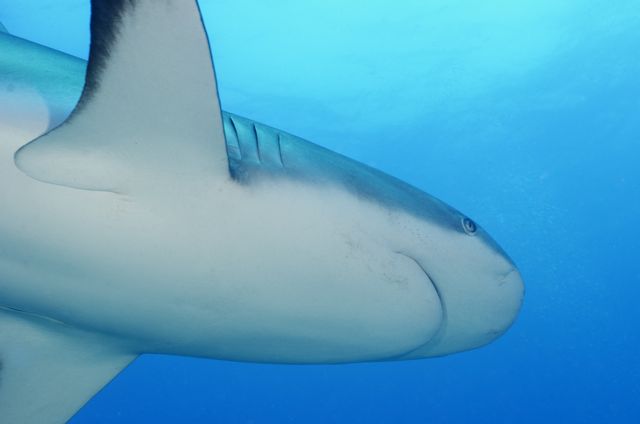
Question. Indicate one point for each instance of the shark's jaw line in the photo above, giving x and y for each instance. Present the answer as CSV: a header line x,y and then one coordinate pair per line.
x,y
437,336
431,279
149,221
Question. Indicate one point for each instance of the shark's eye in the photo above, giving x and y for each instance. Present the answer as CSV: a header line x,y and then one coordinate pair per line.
x,y
469,226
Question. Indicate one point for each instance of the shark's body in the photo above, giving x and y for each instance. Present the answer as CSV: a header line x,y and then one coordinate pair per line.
x,y
133,227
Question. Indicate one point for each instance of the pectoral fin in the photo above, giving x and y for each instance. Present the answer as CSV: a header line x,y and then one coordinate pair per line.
x,y
48,370
149,112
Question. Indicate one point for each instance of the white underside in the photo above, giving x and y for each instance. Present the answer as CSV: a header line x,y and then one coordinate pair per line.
x,y
277,272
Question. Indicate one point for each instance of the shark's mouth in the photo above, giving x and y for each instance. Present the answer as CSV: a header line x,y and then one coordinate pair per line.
x,y
440,333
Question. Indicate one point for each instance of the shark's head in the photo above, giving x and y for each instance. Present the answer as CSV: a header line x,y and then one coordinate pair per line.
x,y
479,286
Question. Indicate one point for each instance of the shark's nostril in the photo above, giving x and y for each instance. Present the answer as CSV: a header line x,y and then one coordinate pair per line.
x,y
509,276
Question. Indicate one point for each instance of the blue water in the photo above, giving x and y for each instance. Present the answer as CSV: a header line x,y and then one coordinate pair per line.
x,y
525,115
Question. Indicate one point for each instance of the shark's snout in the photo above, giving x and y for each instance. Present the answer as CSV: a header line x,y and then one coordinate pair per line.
x,y
478,285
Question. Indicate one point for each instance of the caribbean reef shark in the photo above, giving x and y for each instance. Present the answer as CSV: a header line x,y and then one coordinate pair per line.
x,y
143,219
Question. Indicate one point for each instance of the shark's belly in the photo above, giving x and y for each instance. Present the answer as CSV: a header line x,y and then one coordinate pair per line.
x,y
255,279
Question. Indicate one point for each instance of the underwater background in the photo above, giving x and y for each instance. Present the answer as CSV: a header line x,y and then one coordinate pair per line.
x,y
523,114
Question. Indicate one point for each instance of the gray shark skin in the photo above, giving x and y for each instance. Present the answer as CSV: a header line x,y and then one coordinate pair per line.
x,y
137,217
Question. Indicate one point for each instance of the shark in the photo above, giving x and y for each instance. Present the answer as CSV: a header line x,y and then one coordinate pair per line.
x,y
138,217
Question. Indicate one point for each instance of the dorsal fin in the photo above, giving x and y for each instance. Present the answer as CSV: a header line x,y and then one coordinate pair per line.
x,y
149,108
